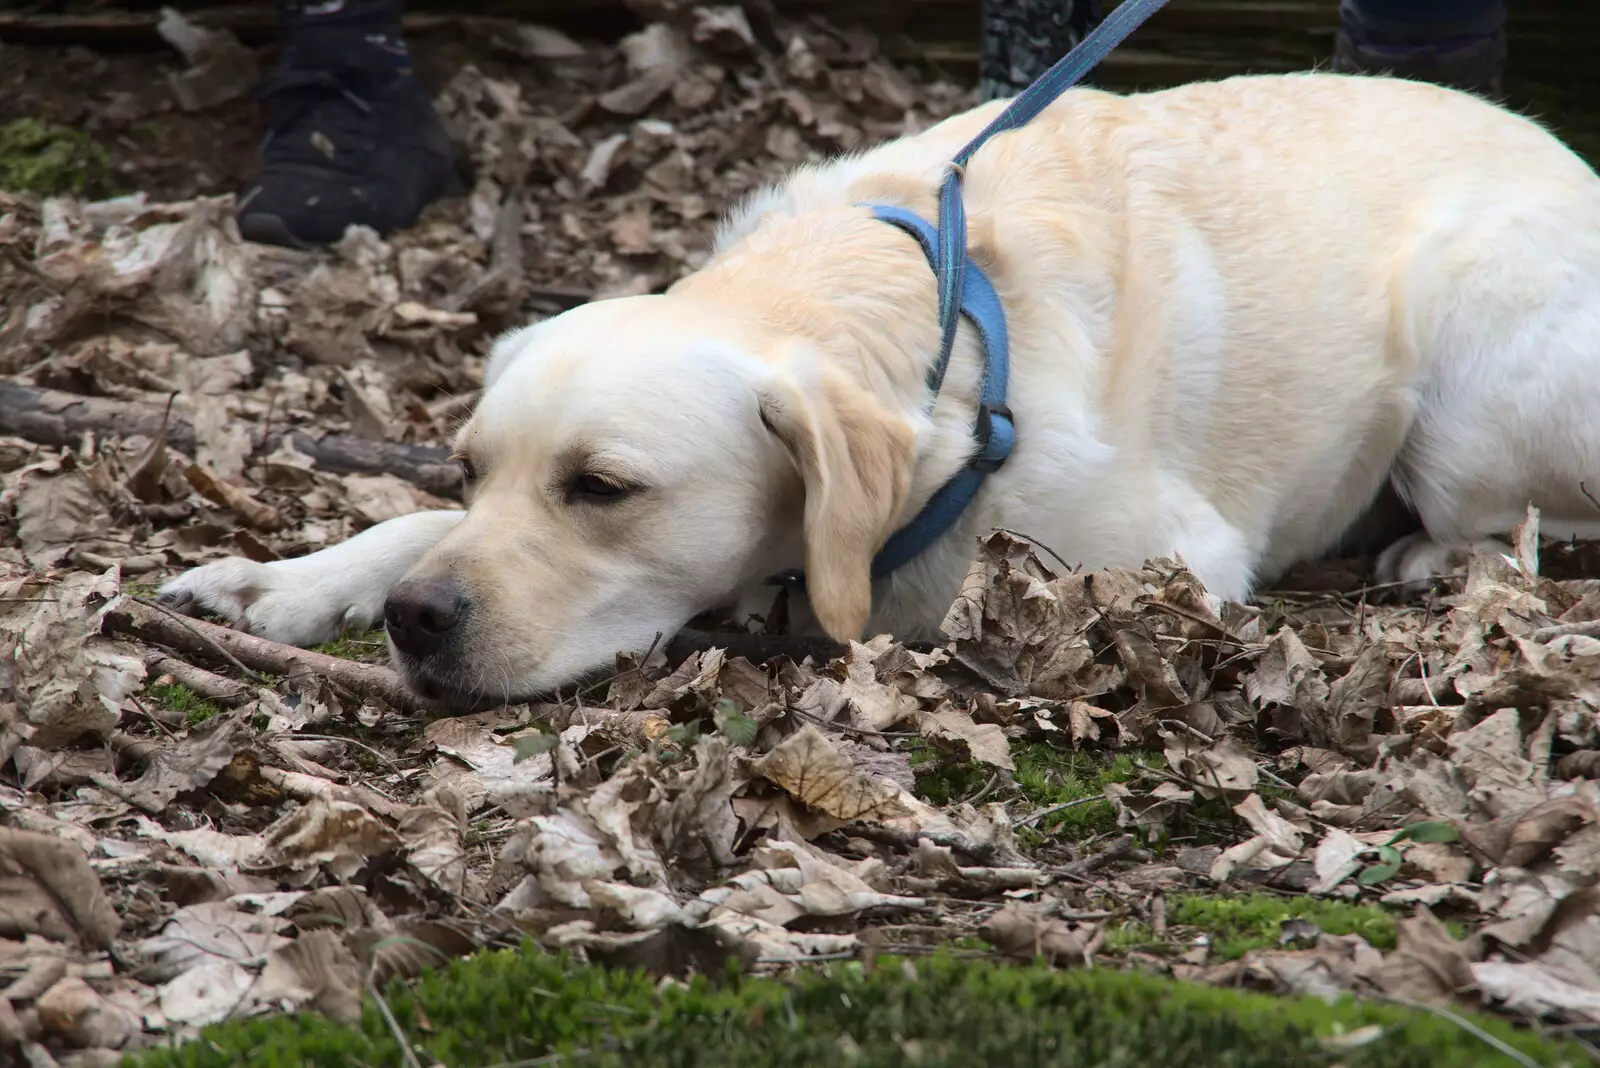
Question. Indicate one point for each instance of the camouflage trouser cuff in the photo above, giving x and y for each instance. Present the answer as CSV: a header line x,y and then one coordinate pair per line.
x,y
1023,38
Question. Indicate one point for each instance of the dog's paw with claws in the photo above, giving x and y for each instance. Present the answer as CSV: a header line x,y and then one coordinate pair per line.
x,y
268,600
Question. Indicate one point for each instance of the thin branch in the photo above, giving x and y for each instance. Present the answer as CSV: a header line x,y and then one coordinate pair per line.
x,y
1053,809
1462,1022
406,1051
157,625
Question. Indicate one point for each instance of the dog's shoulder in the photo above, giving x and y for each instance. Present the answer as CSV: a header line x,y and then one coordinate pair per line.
x,y
916,160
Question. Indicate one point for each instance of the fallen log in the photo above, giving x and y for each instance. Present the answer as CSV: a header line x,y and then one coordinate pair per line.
x,y
51,417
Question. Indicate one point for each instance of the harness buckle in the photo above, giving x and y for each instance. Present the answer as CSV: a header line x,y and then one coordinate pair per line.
x,y
996,433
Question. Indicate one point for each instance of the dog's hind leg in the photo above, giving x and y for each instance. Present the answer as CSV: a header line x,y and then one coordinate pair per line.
x,y
1510,399
315,598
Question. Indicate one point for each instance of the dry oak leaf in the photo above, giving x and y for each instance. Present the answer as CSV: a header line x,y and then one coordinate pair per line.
x,y
80,1016
431,837
230,931
850,685
1427,964
1275,845
1217,771
1535,989
1336,859
1287,674
1025,931
986,742
337,833
208,993
48,887
316,970
181,765
1012,627
816,774
700,821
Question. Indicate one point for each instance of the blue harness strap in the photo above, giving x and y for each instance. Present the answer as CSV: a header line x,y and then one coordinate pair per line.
x,y
965,290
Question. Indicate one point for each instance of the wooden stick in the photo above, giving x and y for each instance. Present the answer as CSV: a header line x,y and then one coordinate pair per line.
x,y
51,417
196,637
205,683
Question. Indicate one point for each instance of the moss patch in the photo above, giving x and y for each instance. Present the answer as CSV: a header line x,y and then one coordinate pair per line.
x,y
49,159
534,1008
1237,924
1046,776
365,647
179,698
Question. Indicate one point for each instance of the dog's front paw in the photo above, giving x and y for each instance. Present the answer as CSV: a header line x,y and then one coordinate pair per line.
x,y
267,600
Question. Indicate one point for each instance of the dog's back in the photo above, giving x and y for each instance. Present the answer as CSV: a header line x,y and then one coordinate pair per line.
x,y
1274,293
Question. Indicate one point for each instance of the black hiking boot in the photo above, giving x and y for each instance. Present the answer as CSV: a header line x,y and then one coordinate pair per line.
x,y
1022,39
1457,43
353,135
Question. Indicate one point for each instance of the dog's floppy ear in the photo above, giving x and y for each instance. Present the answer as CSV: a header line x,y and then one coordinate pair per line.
x,y
856,458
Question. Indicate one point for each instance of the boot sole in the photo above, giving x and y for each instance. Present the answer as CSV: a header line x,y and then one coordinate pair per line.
x,y
266,229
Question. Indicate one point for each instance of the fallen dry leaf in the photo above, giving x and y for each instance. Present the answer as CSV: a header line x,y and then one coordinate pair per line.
x,y
47,887
1026,931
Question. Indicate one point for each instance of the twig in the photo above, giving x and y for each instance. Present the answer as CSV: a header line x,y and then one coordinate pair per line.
x,y
211,644
547,1059
1357,594
1122,848
1035,541
1462,1022
1053,809
205,683
1193,617
988,788
152,623
1206,738
848,729
1583,489
1588,629
406,1051
52,417
983,854
389,760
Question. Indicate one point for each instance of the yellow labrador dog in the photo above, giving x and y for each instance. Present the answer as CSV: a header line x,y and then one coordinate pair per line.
x,y
1237,310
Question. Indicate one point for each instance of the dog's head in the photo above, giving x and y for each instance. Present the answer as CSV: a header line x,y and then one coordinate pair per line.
x,y
633,463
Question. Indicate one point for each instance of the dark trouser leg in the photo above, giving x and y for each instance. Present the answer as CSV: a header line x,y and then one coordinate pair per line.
x,y
334,12
1022,38
1459,43
353,135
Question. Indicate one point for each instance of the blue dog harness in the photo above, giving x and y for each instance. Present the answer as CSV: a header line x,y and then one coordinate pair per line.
x,y
965,290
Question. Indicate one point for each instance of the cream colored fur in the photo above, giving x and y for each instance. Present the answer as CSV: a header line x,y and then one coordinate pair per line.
x,y
1235,310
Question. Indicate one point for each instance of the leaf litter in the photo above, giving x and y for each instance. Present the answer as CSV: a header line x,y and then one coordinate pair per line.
x,y
279,841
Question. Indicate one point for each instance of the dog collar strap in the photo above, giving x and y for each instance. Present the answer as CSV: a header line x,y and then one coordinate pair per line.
x,y
1024,108
965,290
993,429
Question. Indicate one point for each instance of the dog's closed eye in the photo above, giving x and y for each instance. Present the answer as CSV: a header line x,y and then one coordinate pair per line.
x,y
469,470
592,488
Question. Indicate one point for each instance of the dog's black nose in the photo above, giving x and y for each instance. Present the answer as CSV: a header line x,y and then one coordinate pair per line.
x,y
421,613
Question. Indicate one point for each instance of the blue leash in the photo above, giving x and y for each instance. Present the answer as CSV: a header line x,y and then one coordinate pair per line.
x,y
964,289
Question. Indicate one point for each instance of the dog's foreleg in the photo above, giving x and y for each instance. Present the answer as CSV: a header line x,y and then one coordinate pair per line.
x,y
315,598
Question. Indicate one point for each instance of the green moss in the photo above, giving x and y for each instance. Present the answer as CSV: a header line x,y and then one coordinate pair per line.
x,y
1045,776
368,647
179,698
50,159
1252,921
1237,924
509,1006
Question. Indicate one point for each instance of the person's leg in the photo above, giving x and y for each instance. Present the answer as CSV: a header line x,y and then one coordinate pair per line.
x,y
1459,43
353,137
1023,38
